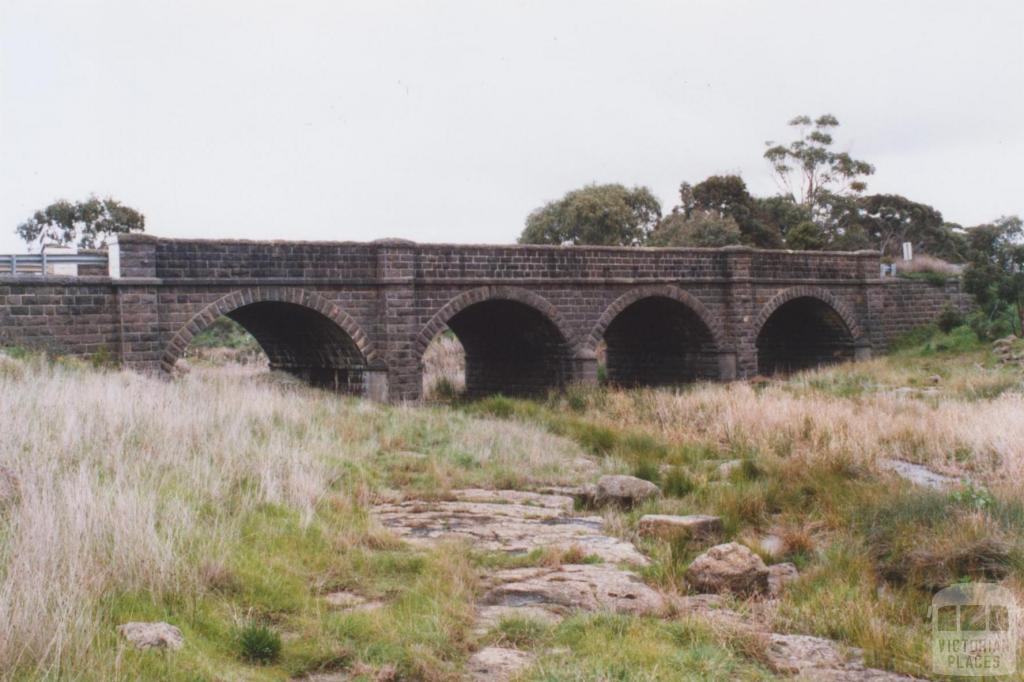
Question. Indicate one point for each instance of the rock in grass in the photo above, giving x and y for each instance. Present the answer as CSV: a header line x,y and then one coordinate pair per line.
x,y
496,663
780,575
728,568
152,635
350,601
725,469
696,527
625,491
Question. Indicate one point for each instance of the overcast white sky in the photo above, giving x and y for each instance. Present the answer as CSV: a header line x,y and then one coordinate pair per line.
x,y
450,121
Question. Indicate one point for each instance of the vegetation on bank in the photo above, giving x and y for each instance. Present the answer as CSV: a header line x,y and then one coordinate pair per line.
x,y
229,502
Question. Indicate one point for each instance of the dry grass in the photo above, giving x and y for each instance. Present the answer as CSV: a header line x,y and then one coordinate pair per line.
x,y
444,368
130,484
805,419
924,263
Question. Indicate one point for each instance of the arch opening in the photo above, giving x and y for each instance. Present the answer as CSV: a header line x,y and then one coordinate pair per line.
x,y
507,347
300,341
803,333
659,341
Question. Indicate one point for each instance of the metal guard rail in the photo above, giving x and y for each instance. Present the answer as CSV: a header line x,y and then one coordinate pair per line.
x,y
36,263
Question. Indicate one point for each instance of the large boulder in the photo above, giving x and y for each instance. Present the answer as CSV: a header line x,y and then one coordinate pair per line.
x,y
624,491
152,635
695,527
728,568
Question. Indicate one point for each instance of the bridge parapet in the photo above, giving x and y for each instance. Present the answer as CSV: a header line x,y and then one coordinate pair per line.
x,y
144,256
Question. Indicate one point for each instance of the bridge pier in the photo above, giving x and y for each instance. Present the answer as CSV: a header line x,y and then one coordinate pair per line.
x,y
583,369
727,365
375,384
861,350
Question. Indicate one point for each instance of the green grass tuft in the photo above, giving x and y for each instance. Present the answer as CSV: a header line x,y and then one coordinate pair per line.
x,y
258,644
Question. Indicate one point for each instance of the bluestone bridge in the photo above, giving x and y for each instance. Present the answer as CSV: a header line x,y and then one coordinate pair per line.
x,y
359,316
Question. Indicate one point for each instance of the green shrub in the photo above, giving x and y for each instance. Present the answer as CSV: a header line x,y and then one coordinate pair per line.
x,y
990,327
445,390
677,483
647,470
522,632
949,319
259,644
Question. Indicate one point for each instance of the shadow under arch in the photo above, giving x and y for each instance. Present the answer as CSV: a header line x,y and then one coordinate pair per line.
x,y
515,341
805,327
301,333
659,335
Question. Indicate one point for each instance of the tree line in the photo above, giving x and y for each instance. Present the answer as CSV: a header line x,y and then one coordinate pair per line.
x,y
823,204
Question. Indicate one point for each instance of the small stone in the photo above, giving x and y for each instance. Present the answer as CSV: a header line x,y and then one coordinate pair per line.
x,y
152,635
780,575
497,663
625,491
350,601
728,568
725,469
697,527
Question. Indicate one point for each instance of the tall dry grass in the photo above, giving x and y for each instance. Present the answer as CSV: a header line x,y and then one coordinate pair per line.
x,y
940,427
926,263
129,484
444,367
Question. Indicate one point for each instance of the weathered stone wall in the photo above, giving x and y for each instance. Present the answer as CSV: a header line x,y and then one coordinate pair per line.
x,y
909,304
390,298
61,315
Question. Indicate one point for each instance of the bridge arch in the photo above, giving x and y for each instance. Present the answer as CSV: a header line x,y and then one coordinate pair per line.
x,y
804,327
300,331
515,341
656,335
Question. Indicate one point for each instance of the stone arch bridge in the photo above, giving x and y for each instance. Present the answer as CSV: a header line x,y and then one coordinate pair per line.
x,y
359,316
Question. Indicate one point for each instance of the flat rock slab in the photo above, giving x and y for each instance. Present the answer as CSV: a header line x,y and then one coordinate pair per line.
x,y
815,658
350,601
919,474
504,521
697,527
496,664
490,617
574,587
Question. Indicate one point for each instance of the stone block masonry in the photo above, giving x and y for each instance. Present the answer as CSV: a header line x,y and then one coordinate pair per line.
x,y
359,316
